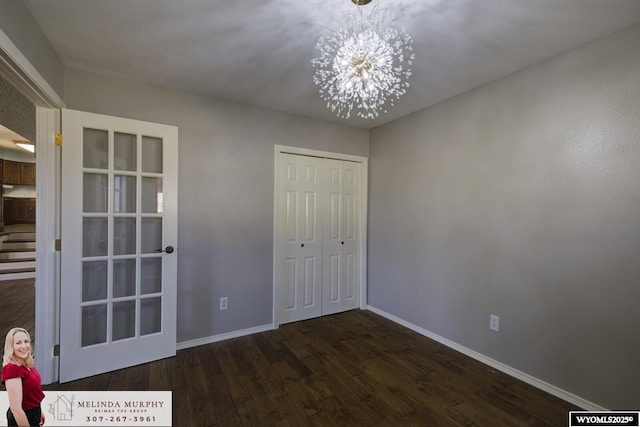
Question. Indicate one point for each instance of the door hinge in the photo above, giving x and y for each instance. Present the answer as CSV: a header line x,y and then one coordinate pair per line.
x,y
57,245
58,139
56,350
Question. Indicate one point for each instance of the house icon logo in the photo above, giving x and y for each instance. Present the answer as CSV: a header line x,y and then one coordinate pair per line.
x,y
62,408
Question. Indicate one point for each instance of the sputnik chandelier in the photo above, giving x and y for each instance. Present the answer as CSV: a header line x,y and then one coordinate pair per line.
x,y
364,63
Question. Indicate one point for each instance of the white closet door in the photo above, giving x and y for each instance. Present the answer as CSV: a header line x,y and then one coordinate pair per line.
x,y
340,278
299,257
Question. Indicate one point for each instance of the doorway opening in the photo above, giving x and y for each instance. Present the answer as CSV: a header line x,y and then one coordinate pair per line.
x,y
17,232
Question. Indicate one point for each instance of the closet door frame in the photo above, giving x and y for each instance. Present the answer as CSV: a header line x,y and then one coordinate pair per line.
x,y
364,161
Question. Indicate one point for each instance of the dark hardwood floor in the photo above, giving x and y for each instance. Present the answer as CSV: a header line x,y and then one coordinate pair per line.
x,y
17,306
350,369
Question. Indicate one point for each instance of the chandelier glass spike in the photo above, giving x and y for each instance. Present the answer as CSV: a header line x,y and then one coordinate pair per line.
x,y
364,63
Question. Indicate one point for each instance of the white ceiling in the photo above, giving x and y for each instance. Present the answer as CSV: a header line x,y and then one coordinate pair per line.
x,y
259,51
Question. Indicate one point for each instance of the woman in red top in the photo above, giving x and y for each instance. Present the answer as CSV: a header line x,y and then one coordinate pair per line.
x,y
22,381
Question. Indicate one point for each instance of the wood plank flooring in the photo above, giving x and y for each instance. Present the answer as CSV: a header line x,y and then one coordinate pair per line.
x,y
349,369
17,306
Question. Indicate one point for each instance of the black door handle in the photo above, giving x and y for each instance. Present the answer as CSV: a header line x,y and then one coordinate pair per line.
x,y
168,249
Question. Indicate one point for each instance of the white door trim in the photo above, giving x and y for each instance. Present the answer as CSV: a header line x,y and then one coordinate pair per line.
x,y
19,72
47,231
364,161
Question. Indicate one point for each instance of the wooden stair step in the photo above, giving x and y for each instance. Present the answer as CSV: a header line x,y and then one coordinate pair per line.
x,y
17,254
8,260
17,270
5,251
19,245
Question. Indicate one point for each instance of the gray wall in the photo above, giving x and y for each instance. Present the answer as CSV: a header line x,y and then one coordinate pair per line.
x,y
17,112
522,198
23,30
225,227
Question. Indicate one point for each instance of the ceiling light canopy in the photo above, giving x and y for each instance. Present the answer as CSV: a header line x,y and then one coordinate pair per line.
x,y
364,63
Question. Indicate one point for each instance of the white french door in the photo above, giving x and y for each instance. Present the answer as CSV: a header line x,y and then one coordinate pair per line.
x,y
119,236
317,247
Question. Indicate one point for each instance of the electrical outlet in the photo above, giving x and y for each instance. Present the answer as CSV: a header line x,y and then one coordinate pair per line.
x,y
494,322
224,303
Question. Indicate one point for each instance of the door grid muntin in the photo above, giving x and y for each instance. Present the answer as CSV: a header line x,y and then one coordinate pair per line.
x,y
122,221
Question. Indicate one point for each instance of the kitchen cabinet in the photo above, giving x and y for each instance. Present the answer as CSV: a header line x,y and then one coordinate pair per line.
x,y
18,173
11,172
27,173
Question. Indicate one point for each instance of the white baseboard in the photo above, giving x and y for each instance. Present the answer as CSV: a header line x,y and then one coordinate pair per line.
x,y
226,336
544,386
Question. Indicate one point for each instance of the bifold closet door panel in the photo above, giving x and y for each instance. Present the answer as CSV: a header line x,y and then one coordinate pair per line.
x,y
340,261
299,275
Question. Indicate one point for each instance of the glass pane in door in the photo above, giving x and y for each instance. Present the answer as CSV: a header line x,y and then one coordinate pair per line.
x,y
151,154
150,275
151,235
124,277
94,280
95,192
95,145
151,195
94,324
124,236
150,315
94,236
124,151
124,320
124,194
